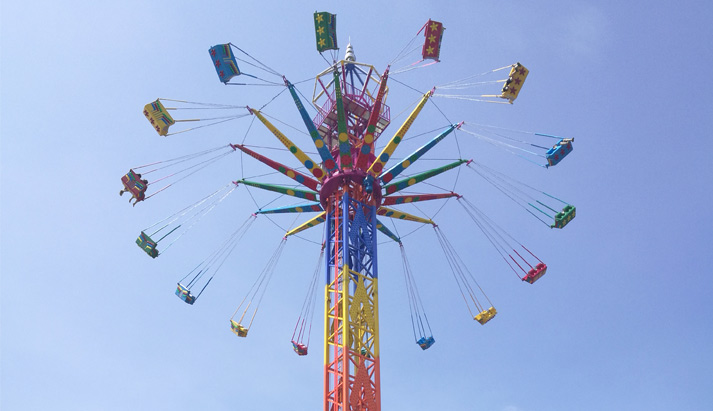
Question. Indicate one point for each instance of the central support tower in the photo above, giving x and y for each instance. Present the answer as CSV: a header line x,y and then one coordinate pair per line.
x,y
345,97
351,355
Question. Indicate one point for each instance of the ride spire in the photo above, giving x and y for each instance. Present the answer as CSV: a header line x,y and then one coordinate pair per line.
x,y
350,56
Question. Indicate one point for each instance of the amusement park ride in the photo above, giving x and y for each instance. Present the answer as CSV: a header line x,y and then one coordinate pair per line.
x,y
350,187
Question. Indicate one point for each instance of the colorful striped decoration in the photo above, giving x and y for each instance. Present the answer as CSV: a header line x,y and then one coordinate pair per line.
x,y
158,116
147,244
224,62
238,329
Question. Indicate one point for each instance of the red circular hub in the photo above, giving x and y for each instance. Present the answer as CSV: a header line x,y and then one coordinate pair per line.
x,y
346,178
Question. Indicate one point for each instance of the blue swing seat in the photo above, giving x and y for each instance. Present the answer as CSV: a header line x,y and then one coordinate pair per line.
x,y
425,342
185,294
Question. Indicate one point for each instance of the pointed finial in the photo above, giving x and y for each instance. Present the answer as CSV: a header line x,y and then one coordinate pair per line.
x,y
350,53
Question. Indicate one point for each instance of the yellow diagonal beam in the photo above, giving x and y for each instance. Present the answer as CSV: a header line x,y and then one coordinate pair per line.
x,y
313,167
389,212
378,165
310,223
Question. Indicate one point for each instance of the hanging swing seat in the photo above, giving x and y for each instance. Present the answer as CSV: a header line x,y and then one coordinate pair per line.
x,y
516,78
425,342
564,217
134,184
185,294
300,349
485,315
238,329
158,116
559,151
224,62
147,244
535,273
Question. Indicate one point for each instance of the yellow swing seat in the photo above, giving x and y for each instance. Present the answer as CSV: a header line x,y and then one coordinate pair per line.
x,y
238,329
485,315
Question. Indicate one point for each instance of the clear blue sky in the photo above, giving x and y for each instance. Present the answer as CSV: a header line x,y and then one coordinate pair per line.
x,y
621,321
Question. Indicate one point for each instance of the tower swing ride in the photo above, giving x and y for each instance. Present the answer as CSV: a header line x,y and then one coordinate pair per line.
x,y
350,187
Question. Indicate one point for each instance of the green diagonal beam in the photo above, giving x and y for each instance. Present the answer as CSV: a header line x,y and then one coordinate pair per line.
x,y
345,147
381,227
408,182
304,208
294,192
414,198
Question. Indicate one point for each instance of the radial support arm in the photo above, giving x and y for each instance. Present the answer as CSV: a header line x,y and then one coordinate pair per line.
x,y
408,182
313,167
306,181
310,223
386,153
294,192
394,171
327,159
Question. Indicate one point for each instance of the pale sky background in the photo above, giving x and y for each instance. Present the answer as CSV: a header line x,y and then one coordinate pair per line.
x,y
621,321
